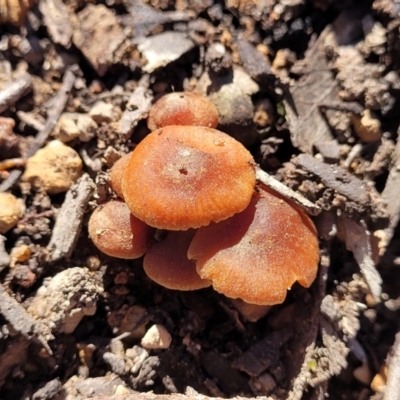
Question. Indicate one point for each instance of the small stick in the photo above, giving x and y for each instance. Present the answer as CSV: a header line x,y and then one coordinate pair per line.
x,y
12,163
285,191
60,100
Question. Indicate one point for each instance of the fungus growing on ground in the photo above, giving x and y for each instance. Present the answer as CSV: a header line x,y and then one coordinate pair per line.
x,y
181,177
182,108
259,254
167,263
117,233
116,174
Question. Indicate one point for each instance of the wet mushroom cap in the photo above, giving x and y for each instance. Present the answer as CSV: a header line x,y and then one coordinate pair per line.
x,y
167,264
259,254
117,233
116,174
182,177
182,108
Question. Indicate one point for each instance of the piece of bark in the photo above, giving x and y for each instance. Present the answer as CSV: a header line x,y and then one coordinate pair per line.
x,y
255,63
317,86
285,191
14,91
160,50
336,178
69,221
146,19
55,17
21,321
4,257
137,108
390,194
392,391
89,37
58,104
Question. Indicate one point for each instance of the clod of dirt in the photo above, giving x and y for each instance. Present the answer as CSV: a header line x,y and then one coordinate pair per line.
x,y
65,299
54,168
157,337
101,50
11,210
75,125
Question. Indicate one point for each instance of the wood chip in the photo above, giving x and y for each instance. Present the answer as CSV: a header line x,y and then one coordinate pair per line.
x,y
69,221
336,178
137,108
99,49
160,50
14,91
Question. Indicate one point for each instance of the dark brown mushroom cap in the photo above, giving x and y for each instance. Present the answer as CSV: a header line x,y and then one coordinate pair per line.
x,y
182,108
116,174
117,233
182,177
259,254
167,264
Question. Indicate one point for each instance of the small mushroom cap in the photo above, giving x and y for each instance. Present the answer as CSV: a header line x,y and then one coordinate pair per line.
x,y
116,174
182,177
259,254
182,108
117,233
167,264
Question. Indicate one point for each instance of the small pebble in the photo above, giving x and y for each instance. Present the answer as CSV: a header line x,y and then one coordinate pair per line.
x,y
19,254
378,383
11,210
55,167
157,337
267,382
368,127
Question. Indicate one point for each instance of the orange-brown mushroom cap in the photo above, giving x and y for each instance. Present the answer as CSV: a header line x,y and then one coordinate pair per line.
x,y
116,174
182,177
167,264
117,233
259,254
182,108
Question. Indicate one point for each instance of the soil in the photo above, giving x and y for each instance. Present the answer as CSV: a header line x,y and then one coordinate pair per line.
x,y
310,87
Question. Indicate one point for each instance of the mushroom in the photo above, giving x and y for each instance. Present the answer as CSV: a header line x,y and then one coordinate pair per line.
x,y
182,177
116,173
117,233
166,262
182,108
258,254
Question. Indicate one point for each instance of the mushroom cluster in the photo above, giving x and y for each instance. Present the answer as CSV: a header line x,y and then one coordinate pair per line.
x,y
198,186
